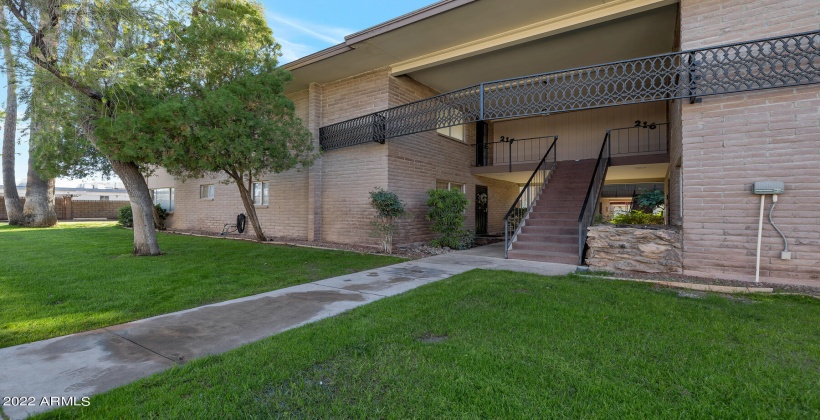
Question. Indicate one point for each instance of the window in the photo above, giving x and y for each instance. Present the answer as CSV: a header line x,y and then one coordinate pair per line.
x,y
454,132
206,191
446,185
449,115
104,198
260,193
164,197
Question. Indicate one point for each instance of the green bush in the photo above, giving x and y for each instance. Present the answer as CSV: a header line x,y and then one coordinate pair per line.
x,y
163,214
389,208
125,217
637,217
651,199
447,214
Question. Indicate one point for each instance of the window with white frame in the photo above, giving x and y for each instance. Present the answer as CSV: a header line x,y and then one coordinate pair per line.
x,y
105,198
164,197
206,191
260,193
447,185
451,115
455,132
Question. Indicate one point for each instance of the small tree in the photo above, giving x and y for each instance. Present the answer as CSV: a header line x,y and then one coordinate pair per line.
x,y
389,209
221,105
447,214
650,200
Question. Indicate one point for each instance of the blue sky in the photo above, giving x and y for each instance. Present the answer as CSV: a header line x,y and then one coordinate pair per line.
x,y
301,27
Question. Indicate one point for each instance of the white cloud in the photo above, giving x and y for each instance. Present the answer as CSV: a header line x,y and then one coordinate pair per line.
x,y
293,50
329,34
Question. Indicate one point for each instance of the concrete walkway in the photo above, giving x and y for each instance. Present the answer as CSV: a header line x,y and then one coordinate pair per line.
x,y
92,362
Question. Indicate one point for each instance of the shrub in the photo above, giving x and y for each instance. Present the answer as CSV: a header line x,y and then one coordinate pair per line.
x,y
389,208
650,200
125,217
162,215
447,214
637,217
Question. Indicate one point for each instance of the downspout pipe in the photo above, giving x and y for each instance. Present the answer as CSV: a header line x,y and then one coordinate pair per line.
x,y
759,237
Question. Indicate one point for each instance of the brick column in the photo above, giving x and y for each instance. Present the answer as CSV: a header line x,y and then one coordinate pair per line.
x,y
314,122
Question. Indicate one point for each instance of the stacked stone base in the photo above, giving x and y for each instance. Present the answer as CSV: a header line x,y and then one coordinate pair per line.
x,y
624,249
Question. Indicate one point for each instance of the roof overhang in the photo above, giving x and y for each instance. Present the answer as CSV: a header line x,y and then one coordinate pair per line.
x,y
571,21
453,31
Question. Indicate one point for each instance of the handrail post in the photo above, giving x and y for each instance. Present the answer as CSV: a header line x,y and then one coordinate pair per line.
x,y
481,102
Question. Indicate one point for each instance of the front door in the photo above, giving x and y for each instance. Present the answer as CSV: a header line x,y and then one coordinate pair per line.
x,y
481,218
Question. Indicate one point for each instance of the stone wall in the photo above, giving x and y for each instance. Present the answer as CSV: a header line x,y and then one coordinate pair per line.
x,y
619,249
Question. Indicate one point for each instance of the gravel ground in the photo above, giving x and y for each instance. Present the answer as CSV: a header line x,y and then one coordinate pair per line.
x,y
416,251
778,288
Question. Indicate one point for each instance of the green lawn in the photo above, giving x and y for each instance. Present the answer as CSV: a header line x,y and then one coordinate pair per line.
x,y
509,345
81,276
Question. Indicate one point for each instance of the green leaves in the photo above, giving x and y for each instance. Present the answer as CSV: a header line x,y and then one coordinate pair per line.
x,y
214,102
447,214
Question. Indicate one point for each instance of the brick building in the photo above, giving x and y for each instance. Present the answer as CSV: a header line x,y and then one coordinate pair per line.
x,y
703,97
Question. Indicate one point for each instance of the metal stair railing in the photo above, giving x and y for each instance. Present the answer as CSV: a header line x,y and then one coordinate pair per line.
x,y
593,195
516,217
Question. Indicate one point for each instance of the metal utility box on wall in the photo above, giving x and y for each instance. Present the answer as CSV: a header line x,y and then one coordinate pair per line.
x,y
769,187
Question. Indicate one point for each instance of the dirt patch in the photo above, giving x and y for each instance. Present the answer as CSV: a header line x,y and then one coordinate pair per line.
x,y
430,338
778,288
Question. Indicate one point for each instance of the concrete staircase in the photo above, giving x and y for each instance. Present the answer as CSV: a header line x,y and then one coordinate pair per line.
x,y
550,232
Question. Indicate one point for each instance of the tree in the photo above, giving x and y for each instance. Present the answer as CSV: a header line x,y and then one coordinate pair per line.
x,y
389,208
98,44
222,107
14,208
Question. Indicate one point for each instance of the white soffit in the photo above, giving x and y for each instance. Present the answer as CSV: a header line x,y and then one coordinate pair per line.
x,y
604,12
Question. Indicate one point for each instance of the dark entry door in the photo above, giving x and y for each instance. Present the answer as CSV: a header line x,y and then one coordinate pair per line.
x,y
481,218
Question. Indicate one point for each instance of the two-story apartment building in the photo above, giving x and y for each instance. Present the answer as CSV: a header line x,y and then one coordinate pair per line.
x,y
702,97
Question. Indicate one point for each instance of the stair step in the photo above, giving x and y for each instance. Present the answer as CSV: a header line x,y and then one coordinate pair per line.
x,y
554,257
568,222
554,215
551,239
549,230
568,249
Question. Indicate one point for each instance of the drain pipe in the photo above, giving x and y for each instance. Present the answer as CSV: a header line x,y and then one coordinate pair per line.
x,y
759,237
764,188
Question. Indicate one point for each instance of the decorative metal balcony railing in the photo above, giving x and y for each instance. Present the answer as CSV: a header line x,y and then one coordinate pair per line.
x,y
746,66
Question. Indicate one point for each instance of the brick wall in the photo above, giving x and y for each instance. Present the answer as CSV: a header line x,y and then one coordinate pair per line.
x,y
417,161
730,141
284,216
350,173
674,206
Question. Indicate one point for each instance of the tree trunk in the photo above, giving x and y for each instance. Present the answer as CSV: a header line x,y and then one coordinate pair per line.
x,y
14,209
38,210
142,207
250,209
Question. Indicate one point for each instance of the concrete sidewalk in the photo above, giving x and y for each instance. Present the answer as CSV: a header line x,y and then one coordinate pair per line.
x,y
92,362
